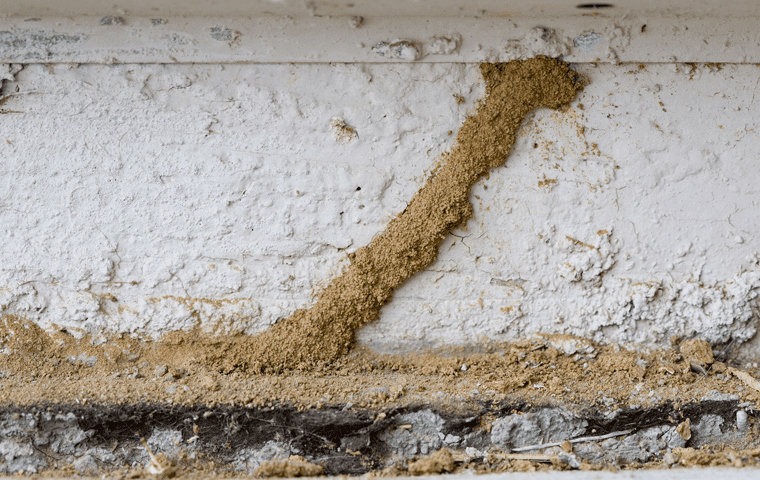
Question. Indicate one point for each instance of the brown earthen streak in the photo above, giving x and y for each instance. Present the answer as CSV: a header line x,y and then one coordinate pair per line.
x,y
410,243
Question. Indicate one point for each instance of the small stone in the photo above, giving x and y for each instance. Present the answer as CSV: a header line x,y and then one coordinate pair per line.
x,y
741,420
473,452
86,465
670,458
160,371
569,459
684,429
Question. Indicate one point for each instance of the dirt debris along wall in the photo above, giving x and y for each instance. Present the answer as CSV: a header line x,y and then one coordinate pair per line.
x,y
604,408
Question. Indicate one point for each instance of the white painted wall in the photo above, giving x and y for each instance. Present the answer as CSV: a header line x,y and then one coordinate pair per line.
x,y
375,8
149,197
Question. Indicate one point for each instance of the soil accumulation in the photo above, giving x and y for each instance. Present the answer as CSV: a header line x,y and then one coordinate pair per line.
x,y
81,405
56,367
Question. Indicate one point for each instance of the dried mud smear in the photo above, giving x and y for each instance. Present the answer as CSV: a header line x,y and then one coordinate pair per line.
x,y
410,242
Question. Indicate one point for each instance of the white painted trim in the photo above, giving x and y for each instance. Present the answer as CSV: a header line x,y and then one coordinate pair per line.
x,y
326,40
375,8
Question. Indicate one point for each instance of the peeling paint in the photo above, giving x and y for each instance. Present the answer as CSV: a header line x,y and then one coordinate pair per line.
x,y
444,44
587,41
398,49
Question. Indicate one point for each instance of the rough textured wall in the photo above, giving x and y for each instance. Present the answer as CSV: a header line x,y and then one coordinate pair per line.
x,y
148,198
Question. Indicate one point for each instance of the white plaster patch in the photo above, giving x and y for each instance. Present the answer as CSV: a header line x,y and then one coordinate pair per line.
x,y
586,262
537,41
444,44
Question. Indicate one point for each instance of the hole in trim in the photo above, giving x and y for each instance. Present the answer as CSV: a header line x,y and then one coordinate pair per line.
x,y
595,5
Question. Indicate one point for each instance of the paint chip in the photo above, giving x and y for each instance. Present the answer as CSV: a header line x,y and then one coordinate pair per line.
x,y
398,49
587,41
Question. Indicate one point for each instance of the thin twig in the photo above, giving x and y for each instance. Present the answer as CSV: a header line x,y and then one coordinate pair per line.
x,y
526,456
509,456
17,94
574,440
745,377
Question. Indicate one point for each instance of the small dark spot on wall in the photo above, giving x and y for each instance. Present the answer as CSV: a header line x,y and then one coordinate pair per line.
x,y
39,41
358,188
224,34
159,21
111,20
546,33
35,19
595,5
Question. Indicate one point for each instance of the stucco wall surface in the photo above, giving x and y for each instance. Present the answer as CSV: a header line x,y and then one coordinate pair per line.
x,y
148,198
